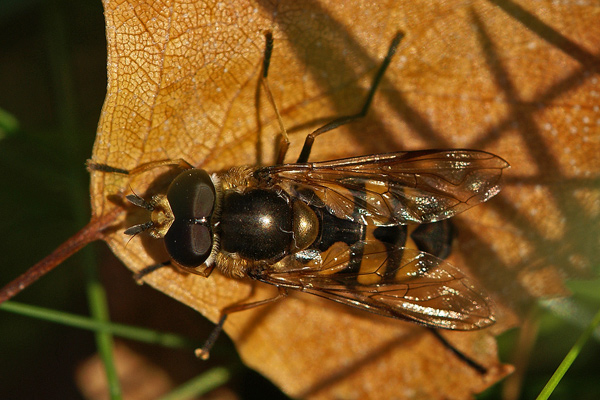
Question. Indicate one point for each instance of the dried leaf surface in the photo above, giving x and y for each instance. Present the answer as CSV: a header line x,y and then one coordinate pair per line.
x,y
520,81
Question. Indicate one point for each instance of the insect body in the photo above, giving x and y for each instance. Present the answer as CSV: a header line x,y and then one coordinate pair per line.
x,y
370,232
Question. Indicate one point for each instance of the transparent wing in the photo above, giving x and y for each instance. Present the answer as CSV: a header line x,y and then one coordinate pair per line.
x,y
395,188
398,282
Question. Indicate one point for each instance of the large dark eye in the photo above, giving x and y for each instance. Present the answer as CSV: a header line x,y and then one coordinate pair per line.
x,y
192,198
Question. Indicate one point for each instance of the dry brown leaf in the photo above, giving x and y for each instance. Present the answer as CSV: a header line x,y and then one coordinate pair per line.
x,y
517,81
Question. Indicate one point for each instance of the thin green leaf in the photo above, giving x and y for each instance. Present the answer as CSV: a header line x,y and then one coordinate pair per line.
x,y
121,330
201,384
569,358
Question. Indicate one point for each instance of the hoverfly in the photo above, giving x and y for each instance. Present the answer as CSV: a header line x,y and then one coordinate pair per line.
x,y
370,232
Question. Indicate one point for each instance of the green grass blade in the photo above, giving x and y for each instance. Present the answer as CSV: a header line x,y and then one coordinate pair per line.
x,y
569,358
121,330
201,384
104,339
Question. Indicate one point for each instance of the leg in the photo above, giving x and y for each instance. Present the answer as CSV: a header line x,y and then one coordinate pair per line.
x,y
138,276
285,140
204,352
305,153
179,163
462,356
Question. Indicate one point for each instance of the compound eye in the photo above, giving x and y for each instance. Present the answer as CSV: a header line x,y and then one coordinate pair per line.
x,y
188,244
191,196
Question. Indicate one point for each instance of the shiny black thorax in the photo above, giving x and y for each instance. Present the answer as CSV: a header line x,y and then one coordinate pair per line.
x,y
256,224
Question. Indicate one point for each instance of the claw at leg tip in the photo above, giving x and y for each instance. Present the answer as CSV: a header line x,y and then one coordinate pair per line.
x,y
202,354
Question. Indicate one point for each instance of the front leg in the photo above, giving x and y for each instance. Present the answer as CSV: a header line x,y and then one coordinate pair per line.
x,y
141,274
178,163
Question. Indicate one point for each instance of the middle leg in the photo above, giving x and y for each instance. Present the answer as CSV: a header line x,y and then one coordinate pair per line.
x,y
306,149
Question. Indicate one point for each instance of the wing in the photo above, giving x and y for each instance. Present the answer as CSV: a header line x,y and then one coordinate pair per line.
x,y
399,283
395,188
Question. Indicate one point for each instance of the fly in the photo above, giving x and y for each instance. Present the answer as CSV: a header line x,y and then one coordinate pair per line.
x,y
371,232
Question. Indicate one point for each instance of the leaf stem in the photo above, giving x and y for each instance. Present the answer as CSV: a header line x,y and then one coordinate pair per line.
x,y
89,233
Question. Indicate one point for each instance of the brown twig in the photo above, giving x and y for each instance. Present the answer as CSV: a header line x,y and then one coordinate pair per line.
x,y
94,230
